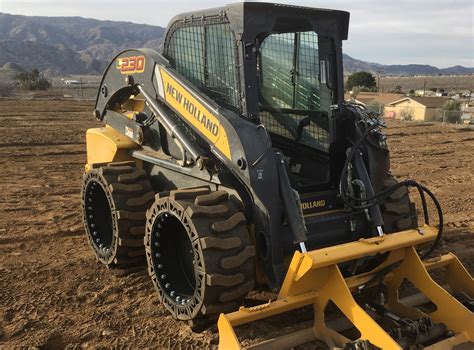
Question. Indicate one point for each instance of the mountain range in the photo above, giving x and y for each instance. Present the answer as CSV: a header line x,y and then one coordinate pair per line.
x,y
76,45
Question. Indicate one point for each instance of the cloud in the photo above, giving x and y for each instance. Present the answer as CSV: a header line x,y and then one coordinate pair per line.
x,y
398,31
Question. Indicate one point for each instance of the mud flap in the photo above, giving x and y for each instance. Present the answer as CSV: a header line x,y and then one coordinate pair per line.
x,y
314,278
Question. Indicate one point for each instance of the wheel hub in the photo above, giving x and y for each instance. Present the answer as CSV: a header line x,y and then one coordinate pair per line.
x,y
173,259
98,216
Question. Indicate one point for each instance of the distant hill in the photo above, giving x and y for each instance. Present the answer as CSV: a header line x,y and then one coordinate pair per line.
x,y
70,45
352,65
76,45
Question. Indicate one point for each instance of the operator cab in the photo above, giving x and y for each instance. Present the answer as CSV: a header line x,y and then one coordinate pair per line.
x,y
274,65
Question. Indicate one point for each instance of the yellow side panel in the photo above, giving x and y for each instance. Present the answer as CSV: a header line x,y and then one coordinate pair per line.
x,y
107,145
198,115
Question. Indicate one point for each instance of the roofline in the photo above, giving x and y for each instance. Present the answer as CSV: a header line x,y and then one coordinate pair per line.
x,y
241,6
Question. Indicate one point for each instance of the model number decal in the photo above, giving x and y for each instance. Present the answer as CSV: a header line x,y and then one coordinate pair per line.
x,y
130,65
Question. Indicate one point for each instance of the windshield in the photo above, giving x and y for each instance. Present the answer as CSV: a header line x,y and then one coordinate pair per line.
x,y
293,101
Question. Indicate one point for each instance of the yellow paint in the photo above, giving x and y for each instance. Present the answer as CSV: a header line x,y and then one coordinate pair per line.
x,y
105,145
314,278
198,115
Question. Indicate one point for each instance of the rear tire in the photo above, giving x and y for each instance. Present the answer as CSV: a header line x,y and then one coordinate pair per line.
x,y
398,212
199,253
115,197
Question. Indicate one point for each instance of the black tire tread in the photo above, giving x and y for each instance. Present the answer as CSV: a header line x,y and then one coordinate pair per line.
x,y
131,194
224,242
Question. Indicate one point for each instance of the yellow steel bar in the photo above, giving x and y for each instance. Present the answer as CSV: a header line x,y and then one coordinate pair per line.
x,y
246,315
335,289
449,310
364,247
227,337
458,278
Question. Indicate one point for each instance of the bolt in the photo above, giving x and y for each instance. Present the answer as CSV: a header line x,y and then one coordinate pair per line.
x,y
94,233
160,266
178,298
167,285
163,276
172,293
157,244
97,240
92,225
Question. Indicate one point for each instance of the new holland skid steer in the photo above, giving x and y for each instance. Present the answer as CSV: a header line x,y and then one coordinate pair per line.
x,y
230,162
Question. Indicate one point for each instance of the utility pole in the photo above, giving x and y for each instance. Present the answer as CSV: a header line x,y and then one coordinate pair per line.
x,y
82,92
424,89
378,79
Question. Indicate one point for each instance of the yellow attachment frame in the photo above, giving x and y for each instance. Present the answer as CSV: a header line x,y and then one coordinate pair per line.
x,y
314,278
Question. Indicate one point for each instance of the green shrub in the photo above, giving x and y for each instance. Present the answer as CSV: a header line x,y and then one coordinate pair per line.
x,y
33,80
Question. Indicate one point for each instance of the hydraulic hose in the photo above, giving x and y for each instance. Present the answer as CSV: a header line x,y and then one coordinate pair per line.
x,y
353,202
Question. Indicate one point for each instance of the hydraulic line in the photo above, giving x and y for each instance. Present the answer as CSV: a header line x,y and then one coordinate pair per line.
x,y
352,202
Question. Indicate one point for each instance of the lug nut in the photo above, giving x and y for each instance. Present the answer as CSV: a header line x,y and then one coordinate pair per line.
x,y
167,285
94,233
91,216
92,225
97,240
163,276
89,208
172,293
157,255
160,266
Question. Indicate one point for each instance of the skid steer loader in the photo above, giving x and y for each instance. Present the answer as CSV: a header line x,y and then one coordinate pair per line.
x,y
230,162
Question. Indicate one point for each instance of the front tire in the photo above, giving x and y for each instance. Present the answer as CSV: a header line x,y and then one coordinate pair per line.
x,y
199,253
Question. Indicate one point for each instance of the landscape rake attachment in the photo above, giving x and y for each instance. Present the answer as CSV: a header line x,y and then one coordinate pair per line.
x,y
314,278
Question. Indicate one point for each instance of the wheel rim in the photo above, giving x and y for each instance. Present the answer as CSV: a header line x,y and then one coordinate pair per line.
x,y
98,216
173,259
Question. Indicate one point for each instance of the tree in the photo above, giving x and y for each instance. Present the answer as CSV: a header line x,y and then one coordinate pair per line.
x,y
33,80
412,92
451,111
364,79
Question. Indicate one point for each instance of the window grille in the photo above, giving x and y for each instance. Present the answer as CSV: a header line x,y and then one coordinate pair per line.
x,y
205,53
290,90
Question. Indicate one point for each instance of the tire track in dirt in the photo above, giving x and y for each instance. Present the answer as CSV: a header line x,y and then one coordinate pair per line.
x,y
53,292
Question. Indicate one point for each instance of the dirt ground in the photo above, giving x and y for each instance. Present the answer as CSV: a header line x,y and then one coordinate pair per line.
x,y
54,295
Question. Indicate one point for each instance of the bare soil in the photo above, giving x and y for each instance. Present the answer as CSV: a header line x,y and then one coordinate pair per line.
x,y
54,295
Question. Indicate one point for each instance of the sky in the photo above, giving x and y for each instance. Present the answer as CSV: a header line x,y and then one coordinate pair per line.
x,y
436,32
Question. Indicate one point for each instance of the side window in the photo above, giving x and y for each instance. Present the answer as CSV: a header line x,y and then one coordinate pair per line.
x,y
206,56
293,103
290,71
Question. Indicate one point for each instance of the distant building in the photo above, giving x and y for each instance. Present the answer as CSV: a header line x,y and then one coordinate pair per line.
x,y
377,99
415,108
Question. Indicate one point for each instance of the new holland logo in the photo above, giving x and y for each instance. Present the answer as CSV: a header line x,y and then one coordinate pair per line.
x,y
189,107
131,65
